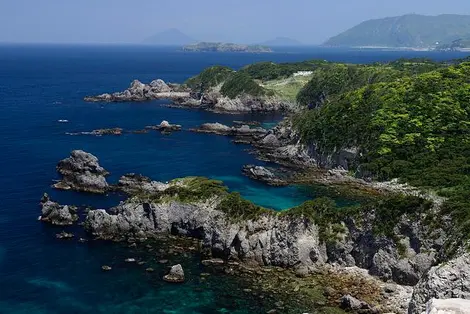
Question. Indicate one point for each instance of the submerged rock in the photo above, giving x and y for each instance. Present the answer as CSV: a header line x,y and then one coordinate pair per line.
x,y
82,172
56,214
176,274
64,235
100,132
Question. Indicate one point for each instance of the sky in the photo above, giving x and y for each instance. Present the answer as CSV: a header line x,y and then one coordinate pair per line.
x,y
239,21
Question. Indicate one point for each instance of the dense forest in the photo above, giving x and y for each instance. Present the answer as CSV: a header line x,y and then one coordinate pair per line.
x,y
408,119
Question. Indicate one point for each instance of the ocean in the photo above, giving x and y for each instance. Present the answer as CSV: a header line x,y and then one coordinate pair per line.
x,y
41,84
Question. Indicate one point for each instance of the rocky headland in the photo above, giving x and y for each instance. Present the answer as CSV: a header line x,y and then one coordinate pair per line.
x,y
305,239
138,92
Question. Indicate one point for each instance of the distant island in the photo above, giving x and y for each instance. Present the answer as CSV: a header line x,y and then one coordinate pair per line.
x,y
169,37
225,47
281,42
407,31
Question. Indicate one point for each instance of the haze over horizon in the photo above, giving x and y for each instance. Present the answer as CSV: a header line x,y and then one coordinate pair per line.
x,y
244,21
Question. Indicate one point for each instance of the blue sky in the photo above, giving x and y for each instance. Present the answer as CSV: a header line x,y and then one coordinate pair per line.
x,y
248,21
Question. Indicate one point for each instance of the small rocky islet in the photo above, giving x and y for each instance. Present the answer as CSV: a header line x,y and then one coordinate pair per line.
x,y
400,246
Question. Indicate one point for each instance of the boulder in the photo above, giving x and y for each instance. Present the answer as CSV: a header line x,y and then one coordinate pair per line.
x,y
82,172
56,214
175,275
445,281
159,86
448,306
350,303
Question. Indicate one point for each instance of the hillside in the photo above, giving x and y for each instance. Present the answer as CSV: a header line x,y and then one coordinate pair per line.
x,y
169,37
414,31
412,127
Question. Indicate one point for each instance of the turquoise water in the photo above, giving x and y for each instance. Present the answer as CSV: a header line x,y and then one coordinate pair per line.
x,y
40,85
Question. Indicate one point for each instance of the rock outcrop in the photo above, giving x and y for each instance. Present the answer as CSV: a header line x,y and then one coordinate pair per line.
x,y
175,275
100,132
448,306
263,174
165,127
214,101
242,133
139,91
445,281
56,214
135,184
269,240
82,172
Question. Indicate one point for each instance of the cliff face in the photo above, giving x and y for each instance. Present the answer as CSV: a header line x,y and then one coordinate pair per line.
x,y
445,281
269,240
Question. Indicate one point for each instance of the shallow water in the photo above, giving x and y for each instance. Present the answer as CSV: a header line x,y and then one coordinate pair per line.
x,y
40,85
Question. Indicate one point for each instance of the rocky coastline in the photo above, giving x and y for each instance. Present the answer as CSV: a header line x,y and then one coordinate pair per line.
x,y
184,97
237,231
138,92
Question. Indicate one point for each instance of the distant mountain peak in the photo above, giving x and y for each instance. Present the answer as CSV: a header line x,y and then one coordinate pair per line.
x,y
170,37
410,30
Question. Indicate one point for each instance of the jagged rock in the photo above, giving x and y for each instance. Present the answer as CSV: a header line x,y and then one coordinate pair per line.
x,y
64,235
176,274
159,86
135,183
448,306
268,240
263,174
349,302
138,91
82,172
445,281
270,140
165,126
241,132
56,214
100,132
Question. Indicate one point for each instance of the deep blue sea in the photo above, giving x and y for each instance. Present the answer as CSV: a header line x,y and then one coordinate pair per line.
x,y
41,84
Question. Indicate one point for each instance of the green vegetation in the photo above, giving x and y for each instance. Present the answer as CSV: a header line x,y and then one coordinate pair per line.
x,y
238,208
415,127
209,78
241,83
331,80
190,190
266,71
410,30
